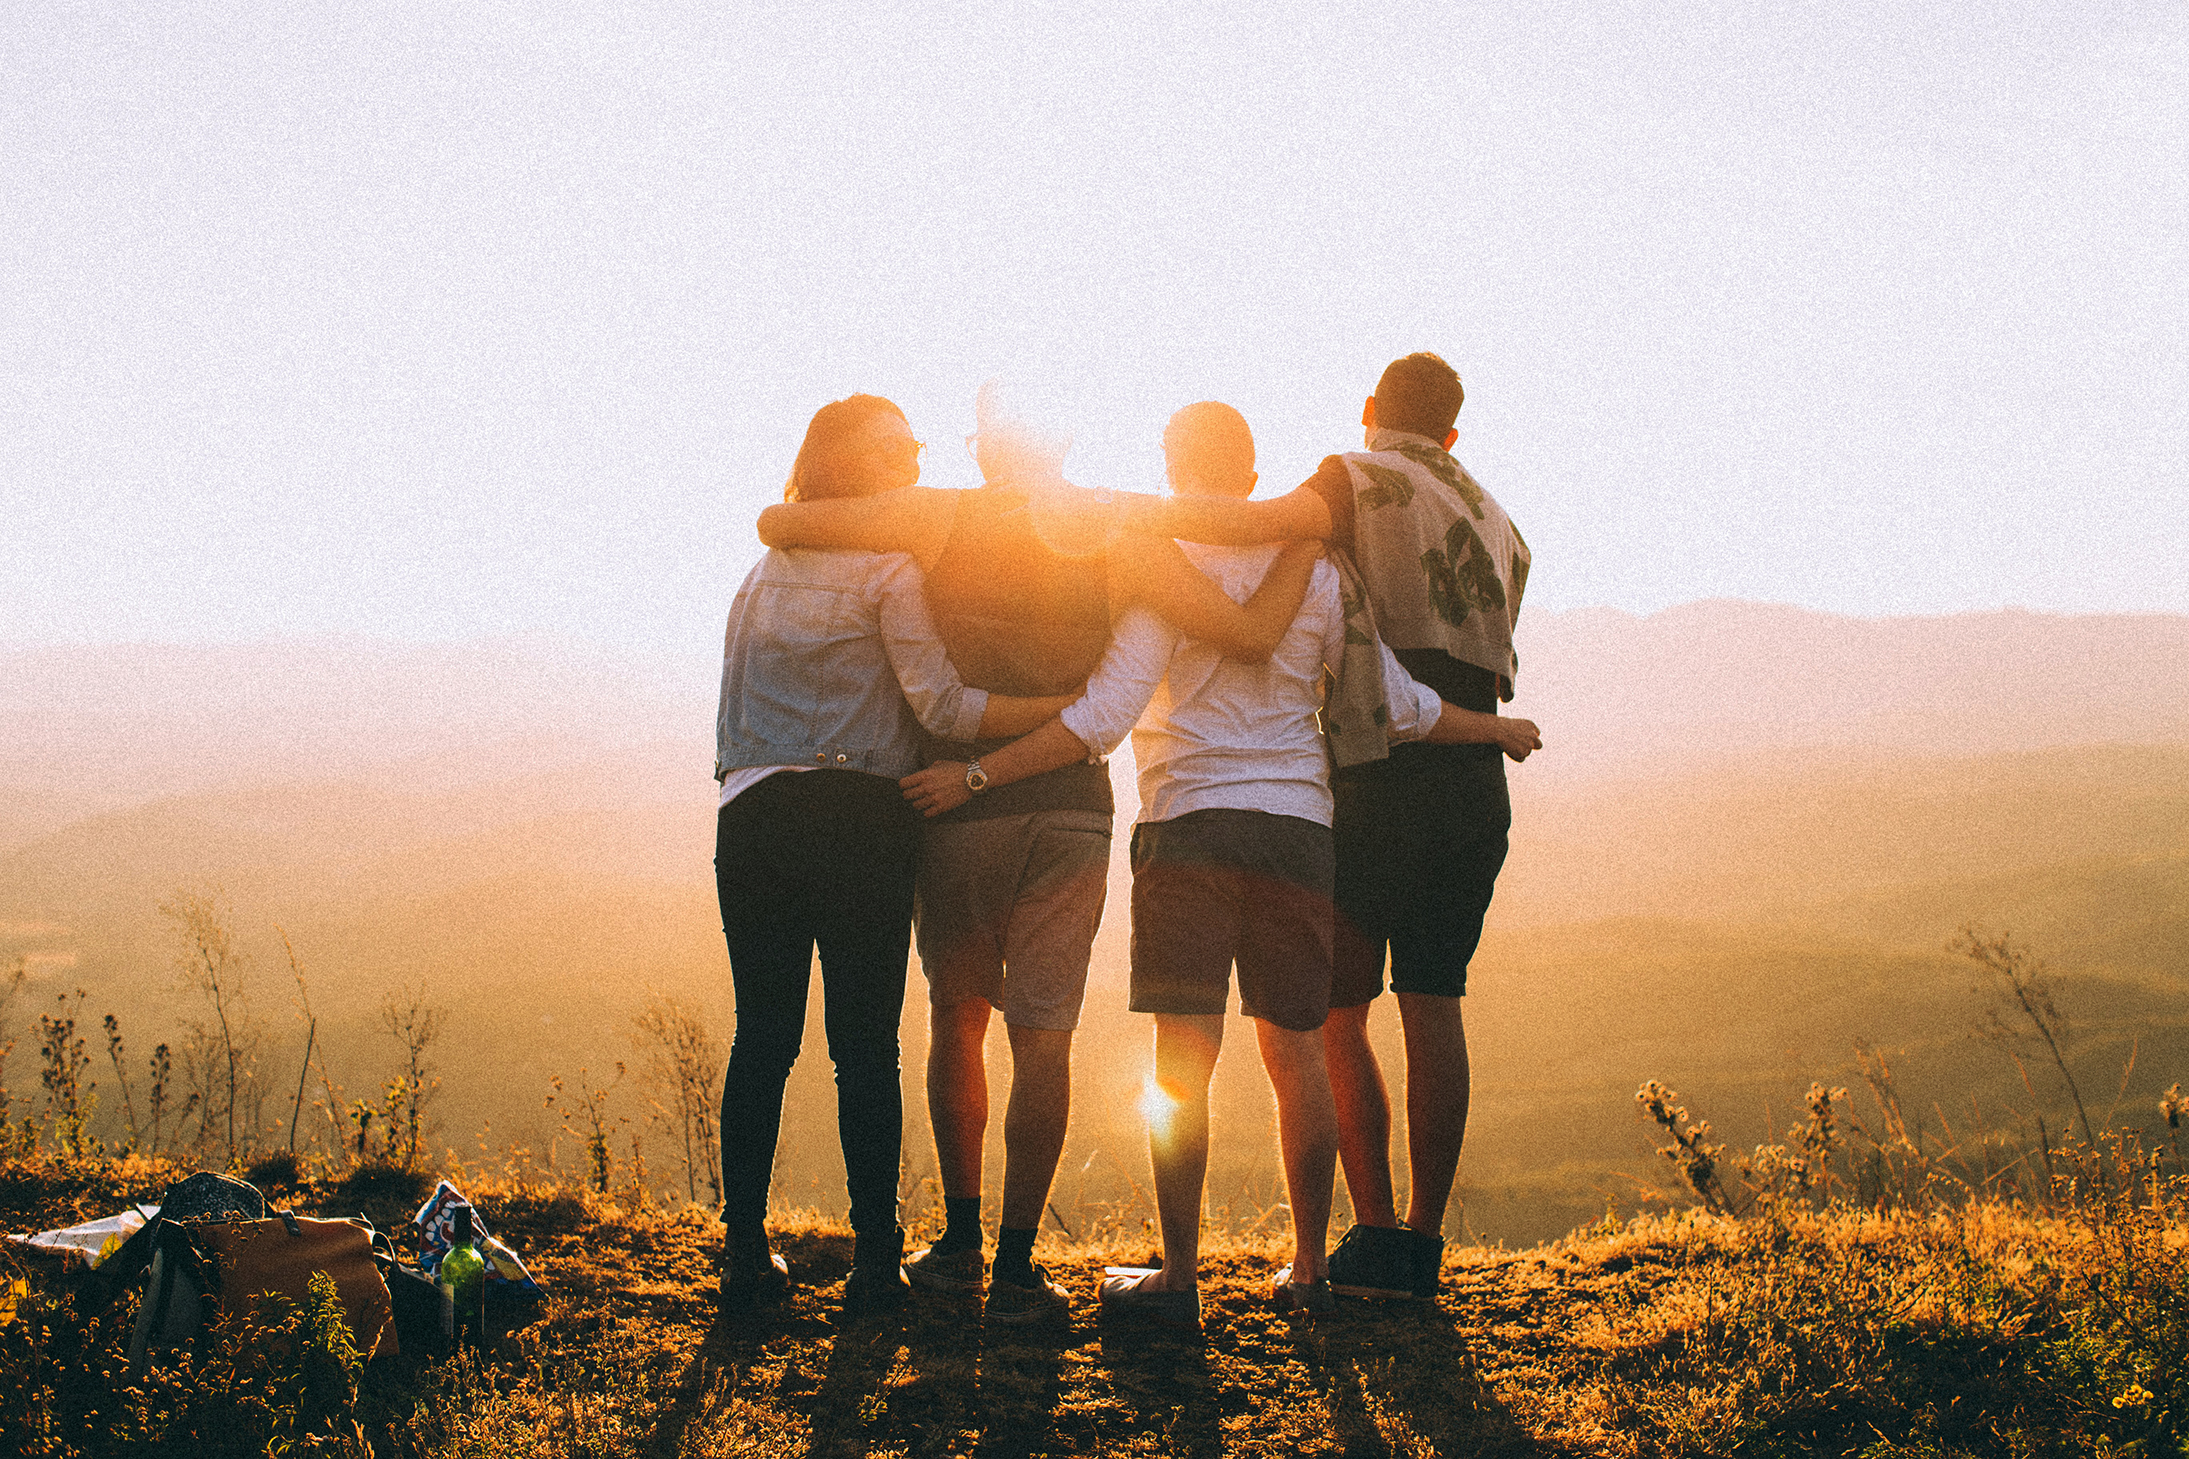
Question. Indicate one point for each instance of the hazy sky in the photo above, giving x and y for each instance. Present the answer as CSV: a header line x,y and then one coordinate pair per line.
x,y
432,321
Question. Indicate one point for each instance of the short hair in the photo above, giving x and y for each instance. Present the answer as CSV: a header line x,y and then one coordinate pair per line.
x,y
1420,395
1212,441
831,436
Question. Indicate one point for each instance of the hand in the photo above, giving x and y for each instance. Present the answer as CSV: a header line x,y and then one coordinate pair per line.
x,y
1518,738
938,788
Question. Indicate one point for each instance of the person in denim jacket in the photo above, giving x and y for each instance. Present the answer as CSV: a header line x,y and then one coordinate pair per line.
x,y
830,668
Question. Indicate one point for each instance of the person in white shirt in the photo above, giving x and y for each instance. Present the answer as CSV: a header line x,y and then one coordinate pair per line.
x,y
1232,862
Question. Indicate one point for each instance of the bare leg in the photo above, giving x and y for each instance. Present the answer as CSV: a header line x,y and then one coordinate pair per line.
x,y
1185,1058
1437,1087
1307,1124
1034,1122
957,1091
1364,1116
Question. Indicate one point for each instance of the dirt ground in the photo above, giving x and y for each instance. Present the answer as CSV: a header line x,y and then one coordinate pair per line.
x,y
1377,1378
1981,1332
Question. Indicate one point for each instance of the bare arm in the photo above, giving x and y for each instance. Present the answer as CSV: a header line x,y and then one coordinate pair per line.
x,y
1009,715
1153,573
941,786
1417,713
1230,521
940,699
1093,724
912,519
1518,738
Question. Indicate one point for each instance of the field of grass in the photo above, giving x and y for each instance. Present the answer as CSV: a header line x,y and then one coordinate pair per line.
x,y
1983,1330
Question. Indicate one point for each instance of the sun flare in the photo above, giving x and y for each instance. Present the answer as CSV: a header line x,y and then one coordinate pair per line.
x,y
1158,1106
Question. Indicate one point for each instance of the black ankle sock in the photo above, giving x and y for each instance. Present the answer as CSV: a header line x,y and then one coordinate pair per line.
x,y
1015,1254
963,1231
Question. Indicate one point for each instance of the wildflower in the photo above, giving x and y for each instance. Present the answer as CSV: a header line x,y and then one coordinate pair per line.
x,y
2171,1105
1690,1149
2136,1396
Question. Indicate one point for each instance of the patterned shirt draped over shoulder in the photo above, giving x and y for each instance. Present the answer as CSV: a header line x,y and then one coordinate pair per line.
x,y
1441,561
1435,564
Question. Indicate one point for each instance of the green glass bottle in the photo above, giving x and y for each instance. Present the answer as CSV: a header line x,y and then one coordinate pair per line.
x,y
462,1280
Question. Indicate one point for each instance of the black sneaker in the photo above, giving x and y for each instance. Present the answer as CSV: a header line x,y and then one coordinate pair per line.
x,y
1017,1302
1428,1263
877,1281
958,1273
1376,1261
752,1275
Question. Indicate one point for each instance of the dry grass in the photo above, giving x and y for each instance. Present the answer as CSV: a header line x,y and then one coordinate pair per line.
x,y
1985,1331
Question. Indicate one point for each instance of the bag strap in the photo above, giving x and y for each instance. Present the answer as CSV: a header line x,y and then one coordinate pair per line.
x,y
173,1242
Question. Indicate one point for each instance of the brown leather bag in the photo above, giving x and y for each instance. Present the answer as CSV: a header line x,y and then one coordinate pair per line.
x,y
253,1259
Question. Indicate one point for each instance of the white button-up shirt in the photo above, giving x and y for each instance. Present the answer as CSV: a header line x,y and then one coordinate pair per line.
x,y
1216,733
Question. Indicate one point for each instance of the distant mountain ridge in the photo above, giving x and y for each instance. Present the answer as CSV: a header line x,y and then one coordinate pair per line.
x,y
1619,693
97,727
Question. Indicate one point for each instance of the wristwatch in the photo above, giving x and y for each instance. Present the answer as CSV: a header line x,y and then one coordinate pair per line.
x,y
976,779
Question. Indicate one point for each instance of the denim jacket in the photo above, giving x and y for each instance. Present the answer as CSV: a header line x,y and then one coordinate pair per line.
x,y
828,659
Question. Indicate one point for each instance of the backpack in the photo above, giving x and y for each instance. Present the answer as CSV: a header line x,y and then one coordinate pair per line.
x,y
214,1250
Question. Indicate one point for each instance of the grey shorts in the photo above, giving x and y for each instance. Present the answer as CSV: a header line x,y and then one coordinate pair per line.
x,y
1007,909
1222,886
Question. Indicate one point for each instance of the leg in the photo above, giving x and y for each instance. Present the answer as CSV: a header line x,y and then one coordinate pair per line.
x,y
1186,1045
968,874
1437,1089
1364,1116
862,980
957,1092
1034,1123
1057,889
1307,1125
771,960
864,935
1432,942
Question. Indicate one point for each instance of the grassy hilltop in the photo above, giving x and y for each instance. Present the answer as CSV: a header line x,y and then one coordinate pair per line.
x,y
2059,1326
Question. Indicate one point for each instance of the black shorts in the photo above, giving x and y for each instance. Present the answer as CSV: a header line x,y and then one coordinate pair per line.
x,y
1420,843
1222,885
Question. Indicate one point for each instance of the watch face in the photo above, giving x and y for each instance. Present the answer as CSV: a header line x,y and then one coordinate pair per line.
x,y
976,779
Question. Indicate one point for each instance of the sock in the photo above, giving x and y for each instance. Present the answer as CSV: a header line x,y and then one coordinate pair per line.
x,y
1014,1255
962,1233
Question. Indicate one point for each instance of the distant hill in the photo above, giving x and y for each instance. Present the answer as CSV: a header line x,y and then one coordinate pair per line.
x,y
94,727
1736,935
91,728
1622,694
1844,838
1718,877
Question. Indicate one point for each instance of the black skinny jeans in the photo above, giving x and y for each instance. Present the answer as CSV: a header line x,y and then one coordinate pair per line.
x,y
821,857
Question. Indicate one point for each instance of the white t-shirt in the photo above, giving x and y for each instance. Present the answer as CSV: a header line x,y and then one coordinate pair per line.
x,y
737,782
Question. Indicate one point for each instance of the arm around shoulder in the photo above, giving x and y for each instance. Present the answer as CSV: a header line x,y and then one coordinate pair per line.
x,y
911,519
1153,573
1231,521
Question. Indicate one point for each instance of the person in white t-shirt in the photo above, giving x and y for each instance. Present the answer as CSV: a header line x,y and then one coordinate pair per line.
x,y
1232,862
